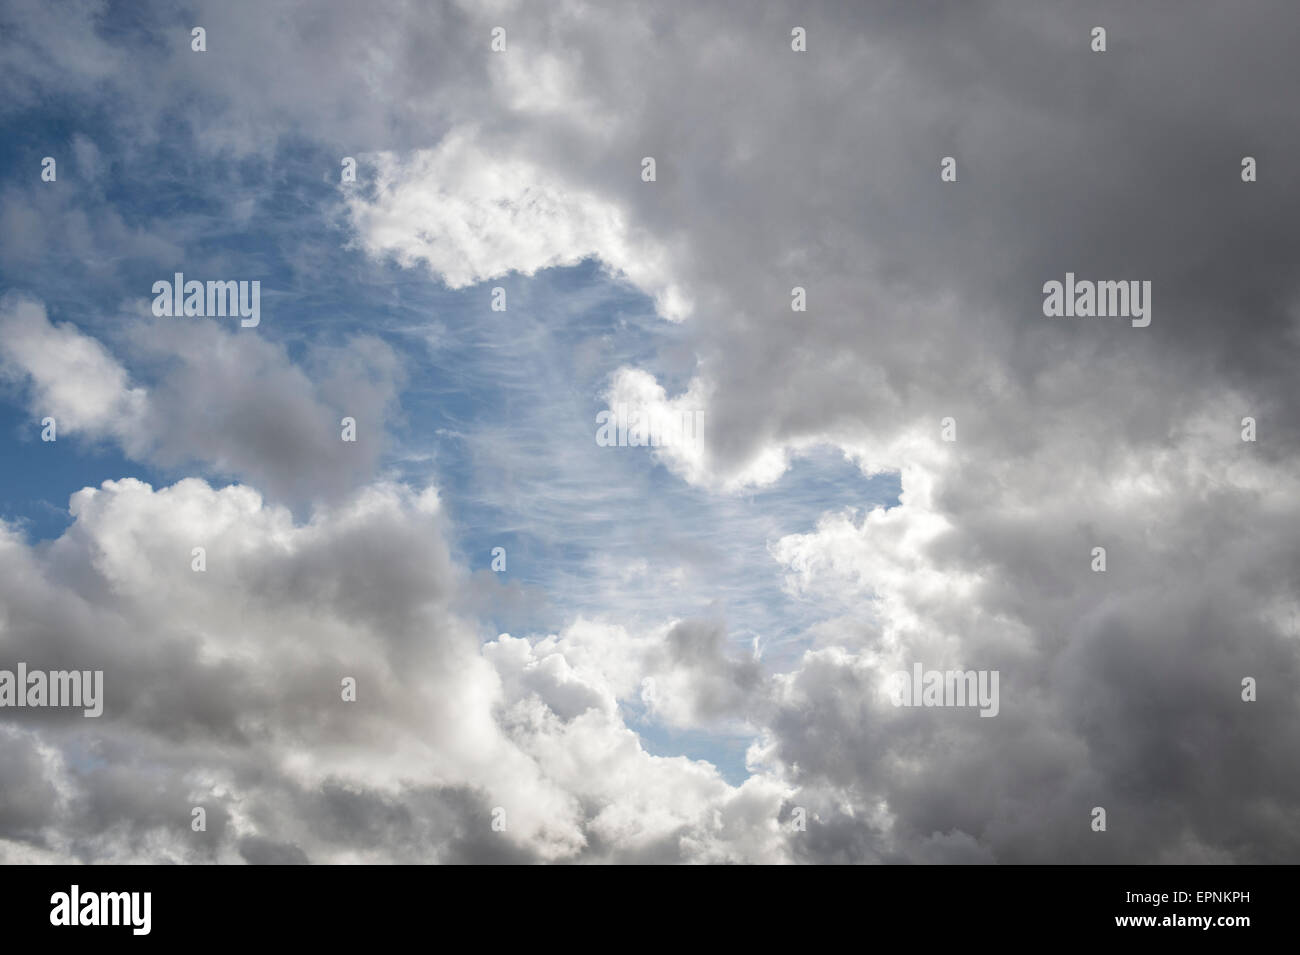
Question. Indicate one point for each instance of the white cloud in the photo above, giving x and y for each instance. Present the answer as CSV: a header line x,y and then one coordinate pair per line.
x,y
470,214
234,402
211,674
73,377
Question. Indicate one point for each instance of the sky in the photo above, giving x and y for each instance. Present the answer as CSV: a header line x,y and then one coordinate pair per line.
x,y
478,633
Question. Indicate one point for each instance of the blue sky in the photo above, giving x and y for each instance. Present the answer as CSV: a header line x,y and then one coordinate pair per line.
x,y
497,409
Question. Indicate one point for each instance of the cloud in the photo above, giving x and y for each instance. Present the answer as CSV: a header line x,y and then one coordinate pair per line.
x,y
72,378
776,169
470,215
234,403
1120,689
227,684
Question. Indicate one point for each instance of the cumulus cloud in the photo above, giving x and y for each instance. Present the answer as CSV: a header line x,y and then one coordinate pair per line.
x,y
775,170
469,214
227,684
235,403
1069,435
72,377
